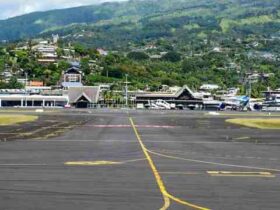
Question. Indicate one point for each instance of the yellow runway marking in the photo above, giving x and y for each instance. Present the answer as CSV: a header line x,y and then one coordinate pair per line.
x,y
91,163
212,163
136,160
241,174
101,162
166,196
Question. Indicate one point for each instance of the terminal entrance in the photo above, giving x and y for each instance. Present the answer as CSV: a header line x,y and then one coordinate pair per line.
x,y
82,103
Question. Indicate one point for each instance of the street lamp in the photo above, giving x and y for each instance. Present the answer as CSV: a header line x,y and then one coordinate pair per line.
x,y
126,90
26,78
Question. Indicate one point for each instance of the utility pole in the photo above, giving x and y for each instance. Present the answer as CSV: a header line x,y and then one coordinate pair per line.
x,y
25,89
126,90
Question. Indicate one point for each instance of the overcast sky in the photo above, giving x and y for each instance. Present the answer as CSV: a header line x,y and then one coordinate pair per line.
x,y
11,8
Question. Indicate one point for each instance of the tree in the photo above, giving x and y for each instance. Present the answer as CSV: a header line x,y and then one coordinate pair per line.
x,y
93,79
189,65
14,84
80,49
63,65
2,51
138,56
172,57
85,66
59,52
111,59
112,71
93,53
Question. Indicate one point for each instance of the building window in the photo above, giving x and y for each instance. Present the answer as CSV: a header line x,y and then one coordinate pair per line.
x,y
73,78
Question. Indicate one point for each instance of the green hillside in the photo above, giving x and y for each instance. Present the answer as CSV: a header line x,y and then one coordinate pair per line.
x,y
170,42
139,20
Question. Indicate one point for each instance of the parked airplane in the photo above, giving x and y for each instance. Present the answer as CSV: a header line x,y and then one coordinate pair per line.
x,y
160,104
235,103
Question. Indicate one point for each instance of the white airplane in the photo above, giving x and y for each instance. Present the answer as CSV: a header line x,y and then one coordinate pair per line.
x,y
235,103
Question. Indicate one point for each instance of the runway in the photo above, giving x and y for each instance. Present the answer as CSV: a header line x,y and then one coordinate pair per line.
x,y
127,159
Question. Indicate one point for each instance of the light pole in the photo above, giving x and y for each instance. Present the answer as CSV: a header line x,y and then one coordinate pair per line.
x,y
126,90
26,78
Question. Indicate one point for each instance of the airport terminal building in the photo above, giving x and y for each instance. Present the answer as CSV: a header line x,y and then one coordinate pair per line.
x,y
183,97
79,97
70,92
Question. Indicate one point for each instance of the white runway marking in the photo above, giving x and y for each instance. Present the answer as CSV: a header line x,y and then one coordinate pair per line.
x,y
129,126
212,163
86,141
23,164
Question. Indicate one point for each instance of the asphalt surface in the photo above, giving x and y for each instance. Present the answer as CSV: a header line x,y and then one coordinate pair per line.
x,y
138,160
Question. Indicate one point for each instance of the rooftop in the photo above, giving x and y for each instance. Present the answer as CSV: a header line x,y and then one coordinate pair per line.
x,y
71,84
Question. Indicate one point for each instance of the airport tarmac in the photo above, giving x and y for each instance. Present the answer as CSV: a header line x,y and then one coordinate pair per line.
x,y
127,159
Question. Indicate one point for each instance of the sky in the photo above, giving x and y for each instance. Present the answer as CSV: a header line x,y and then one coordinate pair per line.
x,y
11,8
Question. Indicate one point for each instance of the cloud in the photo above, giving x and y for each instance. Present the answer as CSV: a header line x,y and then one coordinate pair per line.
x,y
18,7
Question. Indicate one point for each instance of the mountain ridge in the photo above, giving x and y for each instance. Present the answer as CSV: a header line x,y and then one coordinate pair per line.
x,y
144,19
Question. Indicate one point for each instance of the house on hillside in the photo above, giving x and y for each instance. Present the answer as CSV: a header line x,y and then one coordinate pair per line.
x,y
6,75
45,52
102,52
72,77
209,87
